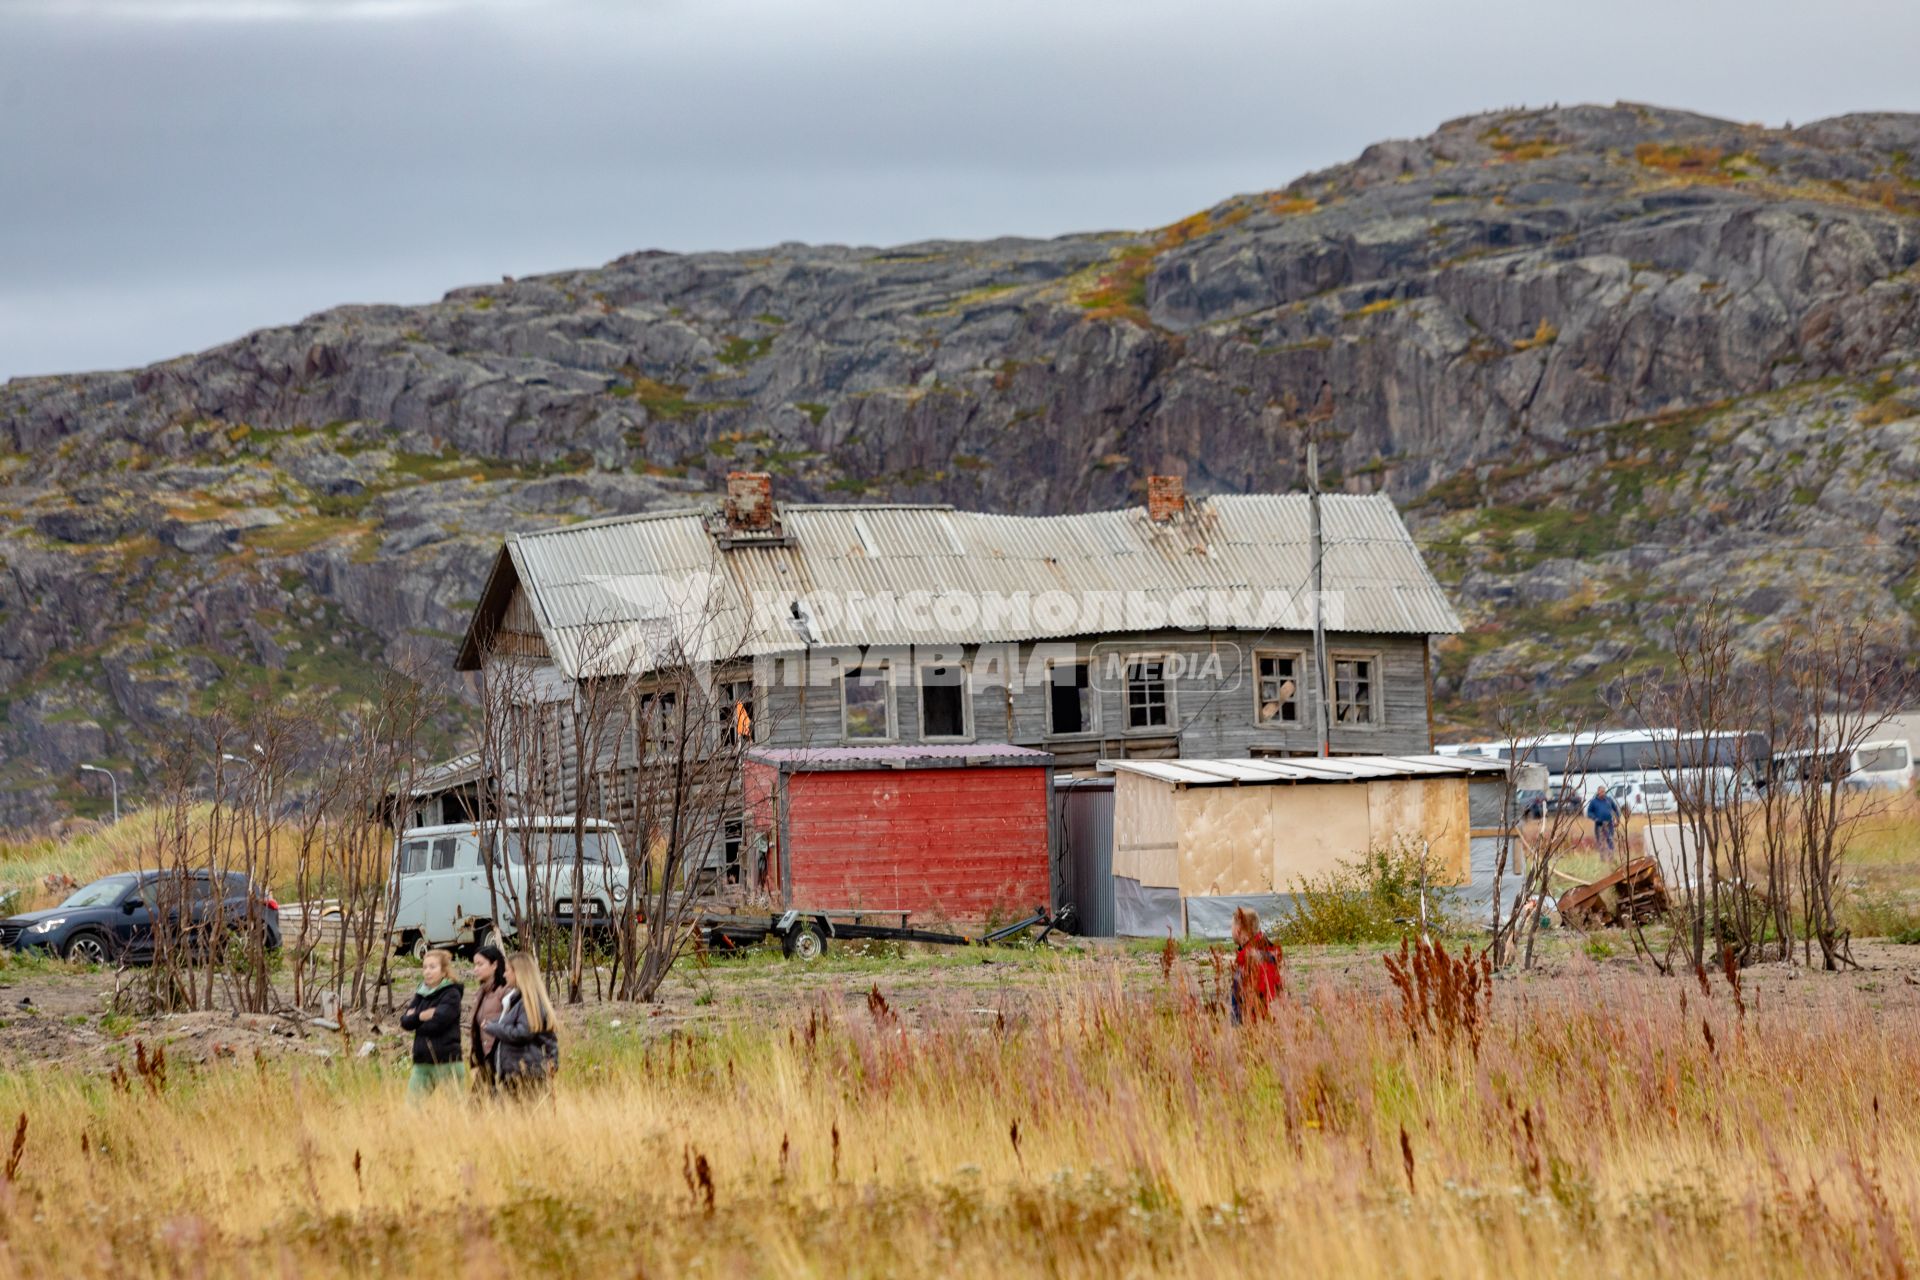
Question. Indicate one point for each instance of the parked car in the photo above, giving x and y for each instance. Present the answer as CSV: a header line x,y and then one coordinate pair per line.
x,y
116,918
1651,797
1538,804
443,898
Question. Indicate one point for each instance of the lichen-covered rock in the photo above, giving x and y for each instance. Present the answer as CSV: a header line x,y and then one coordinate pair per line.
x,y
1609,359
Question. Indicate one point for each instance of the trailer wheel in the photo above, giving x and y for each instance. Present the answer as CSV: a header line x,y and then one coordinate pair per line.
x,y
807,940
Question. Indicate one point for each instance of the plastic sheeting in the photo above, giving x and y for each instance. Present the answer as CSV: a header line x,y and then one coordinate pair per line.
x,y
1212,916
1145,911
1487,802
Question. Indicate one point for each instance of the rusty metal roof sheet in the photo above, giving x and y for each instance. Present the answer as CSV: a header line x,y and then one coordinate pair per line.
x,y
901,756
666,570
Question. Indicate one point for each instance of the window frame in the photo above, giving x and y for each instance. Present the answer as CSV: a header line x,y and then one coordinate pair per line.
x,y
966,700
401,865
653,715
893,716
1166,682
1092,730
1299,689
730,700
1374,718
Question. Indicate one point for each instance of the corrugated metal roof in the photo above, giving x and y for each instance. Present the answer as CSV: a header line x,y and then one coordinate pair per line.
x,y
902,755
1227,773
903,575
447,774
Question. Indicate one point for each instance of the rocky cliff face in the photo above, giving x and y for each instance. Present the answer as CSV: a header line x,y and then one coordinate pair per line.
x,y
1606,358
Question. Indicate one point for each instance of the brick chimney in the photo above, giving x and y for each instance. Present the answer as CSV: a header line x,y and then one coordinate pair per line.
x,y
1166,497
749,501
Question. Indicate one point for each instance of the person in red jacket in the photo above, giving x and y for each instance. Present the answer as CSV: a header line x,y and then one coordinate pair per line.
x,y
1256,969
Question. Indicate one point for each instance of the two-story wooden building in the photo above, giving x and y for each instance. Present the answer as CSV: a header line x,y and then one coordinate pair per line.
x,y
1176,628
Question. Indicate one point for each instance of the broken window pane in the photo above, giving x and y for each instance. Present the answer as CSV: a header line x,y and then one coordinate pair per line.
x,y
735,710
943,702
1070,707
866,694
1279,691
1353,690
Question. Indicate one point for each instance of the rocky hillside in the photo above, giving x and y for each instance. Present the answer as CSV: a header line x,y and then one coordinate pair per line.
x,y
1607,358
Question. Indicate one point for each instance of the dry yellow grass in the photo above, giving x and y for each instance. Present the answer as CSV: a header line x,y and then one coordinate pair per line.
x,y
142,839
1100,1132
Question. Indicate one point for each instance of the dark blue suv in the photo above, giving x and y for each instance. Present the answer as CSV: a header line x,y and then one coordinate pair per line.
x,y
115,919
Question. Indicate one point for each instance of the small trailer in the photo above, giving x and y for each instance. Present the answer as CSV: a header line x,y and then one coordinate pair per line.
x,y
861,842
803,936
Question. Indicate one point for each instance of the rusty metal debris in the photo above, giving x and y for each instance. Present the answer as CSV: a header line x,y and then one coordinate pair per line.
x,y
1633,894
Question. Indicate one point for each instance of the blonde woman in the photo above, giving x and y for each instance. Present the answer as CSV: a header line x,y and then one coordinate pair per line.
x,y
526,1052
433,1015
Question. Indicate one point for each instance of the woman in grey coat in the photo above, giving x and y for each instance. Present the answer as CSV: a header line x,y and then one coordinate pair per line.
x,y
526,1050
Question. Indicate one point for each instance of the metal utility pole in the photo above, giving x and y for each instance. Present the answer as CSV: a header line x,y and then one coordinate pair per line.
x,y
115,782
1316,548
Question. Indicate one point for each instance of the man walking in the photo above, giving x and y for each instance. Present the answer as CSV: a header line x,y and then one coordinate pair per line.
x,y
1604,813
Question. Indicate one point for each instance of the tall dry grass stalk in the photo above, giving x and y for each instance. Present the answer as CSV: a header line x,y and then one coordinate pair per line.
x,y
1096,1131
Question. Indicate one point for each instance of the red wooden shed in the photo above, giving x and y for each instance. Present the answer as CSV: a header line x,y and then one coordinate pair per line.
x,y
950,832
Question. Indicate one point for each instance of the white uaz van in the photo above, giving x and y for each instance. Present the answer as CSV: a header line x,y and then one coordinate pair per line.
x,y
441,886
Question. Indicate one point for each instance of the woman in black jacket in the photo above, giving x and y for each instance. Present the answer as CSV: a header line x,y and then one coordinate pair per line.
x,y
433,1015
490,993
526,1052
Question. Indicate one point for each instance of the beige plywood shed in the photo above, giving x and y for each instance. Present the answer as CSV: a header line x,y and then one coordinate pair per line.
x,y
1145,831
1193,839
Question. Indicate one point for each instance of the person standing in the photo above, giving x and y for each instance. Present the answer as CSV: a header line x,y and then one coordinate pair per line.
x,y
1604,813
1256,969
490,993
433,1015
526,1050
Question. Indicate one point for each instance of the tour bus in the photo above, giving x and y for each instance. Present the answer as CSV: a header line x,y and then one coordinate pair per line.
x,y
1721,765
1885,764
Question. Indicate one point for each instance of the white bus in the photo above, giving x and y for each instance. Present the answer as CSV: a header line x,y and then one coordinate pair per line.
x,y
1886,764
1720,765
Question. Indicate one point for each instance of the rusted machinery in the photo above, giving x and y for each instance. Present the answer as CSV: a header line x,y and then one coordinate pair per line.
x,y
1634,894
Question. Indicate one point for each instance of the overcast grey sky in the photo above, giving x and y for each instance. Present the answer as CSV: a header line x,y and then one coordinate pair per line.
x,y
174,173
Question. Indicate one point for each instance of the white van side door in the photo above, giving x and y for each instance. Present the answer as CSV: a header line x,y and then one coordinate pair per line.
x,y
410,885
474,902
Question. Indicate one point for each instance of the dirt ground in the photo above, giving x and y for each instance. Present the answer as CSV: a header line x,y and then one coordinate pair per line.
x,y
53,1016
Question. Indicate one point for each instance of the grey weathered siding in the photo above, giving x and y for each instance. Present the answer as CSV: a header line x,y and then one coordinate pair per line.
x,y
1212,712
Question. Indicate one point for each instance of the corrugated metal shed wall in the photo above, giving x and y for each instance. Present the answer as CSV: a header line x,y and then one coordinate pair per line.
x,y
1085,832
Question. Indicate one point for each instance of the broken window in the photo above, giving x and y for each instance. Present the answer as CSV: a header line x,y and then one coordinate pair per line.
x,y
943,701
1277,689
1353,691
655,730
736,711
1147,694
1070,699
733,839
866,699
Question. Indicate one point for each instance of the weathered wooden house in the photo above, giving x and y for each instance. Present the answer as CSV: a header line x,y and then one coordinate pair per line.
x,y
1180,628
